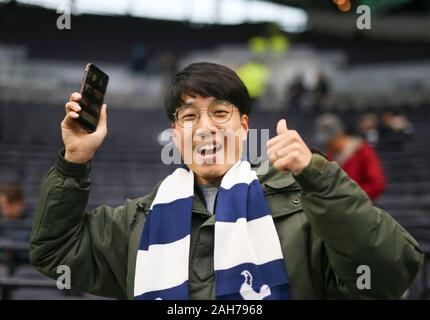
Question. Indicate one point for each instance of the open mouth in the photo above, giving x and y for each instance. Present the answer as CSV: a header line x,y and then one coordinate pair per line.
x,y
207,152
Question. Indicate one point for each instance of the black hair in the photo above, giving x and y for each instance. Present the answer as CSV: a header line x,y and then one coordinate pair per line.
x,y
207,80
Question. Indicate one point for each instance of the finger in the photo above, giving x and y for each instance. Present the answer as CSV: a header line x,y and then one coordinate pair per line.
x,y
75,96
281,150
272,152
73,114
281,126
287,149
102,125
272,156
279,142
72,106
290,134
275,140
70,116
285,163
279,137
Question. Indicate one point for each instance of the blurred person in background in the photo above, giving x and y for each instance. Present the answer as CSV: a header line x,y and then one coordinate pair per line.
x,y
139,62
320,91
255,76
367,128
296,91
12,206
395,130
167,64
295,226
14,220
356,157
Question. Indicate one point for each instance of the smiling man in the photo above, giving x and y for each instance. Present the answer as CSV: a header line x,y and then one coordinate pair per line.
x,y
216,228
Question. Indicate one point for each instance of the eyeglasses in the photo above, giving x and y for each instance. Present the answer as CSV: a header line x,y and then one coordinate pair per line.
x,y
219,111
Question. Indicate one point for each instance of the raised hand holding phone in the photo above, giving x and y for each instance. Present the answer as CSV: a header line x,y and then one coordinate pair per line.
x,y
81,143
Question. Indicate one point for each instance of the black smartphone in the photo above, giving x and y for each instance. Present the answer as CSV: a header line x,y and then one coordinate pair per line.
x,y
92,92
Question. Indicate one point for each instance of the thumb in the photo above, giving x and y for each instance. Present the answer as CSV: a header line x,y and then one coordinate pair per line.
x,y
281,127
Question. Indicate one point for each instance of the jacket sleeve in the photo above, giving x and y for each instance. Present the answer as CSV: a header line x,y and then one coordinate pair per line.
x,y
354,233
94,245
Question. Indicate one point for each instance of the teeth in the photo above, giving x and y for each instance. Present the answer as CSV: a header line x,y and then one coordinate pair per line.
x,y
208,147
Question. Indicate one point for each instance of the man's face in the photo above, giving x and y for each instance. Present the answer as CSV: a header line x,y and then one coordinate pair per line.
x,y
11,210
335,144
210,148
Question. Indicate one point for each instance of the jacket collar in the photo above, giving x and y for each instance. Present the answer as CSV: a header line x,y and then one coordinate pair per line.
x,y
272,182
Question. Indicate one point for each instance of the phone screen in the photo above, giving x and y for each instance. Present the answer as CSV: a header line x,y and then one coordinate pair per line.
x,y
93,90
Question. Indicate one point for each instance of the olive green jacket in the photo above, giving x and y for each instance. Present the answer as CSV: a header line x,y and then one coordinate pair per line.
x,y
327,228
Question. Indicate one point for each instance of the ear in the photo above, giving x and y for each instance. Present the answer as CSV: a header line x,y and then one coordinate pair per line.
x,y
244,121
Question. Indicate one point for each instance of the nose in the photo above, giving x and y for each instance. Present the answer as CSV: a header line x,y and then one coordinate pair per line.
x,y
205,124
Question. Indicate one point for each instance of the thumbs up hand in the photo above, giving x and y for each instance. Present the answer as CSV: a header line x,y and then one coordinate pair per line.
x,y
287,151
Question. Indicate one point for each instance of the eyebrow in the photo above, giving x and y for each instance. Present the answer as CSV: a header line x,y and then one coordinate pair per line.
x,y
192,103
189,104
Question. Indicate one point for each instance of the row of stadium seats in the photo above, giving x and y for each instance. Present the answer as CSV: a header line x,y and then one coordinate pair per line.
x,y
128,165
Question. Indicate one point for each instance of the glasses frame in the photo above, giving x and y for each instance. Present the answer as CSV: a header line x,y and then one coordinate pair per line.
x,y
175,114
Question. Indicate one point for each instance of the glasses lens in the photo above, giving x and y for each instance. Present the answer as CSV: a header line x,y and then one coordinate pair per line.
x,y
187,116
220,111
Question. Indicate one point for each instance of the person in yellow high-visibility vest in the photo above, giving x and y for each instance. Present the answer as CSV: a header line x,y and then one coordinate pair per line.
x,y
255,76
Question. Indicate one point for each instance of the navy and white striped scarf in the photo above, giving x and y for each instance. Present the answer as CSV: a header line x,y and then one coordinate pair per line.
x,y
248,260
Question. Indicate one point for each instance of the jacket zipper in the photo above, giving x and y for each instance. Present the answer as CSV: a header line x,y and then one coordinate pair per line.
x,y
139,208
